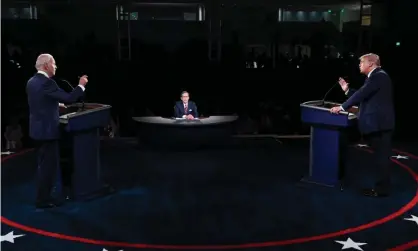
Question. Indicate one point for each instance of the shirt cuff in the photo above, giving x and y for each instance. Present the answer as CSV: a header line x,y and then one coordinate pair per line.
x,y
82,87
342,108
184,116
346,93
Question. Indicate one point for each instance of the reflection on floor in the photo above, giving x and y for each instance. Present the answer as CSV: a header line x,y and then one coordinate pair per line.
x,y
241,195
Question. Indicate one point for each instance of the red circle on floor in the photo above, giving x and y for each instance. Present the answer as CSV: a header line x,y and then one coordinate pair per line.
x,y
375,223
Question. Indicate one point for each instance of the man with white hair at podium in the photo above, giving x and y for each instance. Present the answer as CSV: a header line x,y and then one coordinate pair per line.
x,y
44,97
376,118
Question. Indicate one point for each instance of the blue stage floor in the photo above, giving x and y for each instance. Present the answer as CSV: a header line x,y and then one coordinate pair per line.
x,y
244,195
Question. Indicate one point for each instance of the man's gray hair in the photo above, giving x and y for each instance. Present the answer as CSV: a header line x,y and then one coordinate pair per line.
x,y
42,60
372,58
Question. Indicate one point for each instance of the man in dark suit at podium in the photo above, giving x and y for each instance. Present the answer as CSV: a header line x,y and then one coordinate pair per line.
x,y
44,96
185,108
376,118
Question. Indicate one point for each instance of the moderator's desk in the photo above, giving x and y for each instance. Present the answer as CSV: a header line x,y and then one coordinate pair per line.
x,y
179,133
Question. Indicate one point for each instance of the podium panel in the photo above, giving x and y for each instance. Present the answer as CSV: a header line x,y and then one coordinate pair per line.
x,y
83,122
327,141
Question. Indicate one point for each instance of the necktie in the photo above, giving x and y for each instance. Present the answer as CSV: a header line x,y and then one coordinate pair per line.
x,y
185,109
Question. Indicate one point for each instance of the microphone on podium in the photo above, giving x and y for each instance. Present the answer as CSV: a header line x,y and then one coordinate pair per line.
x,y
68,83
72,88
326,94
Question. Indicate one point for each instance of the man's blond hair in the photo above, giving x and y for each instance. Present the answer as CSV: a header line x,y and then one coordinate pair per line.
x,y
372,58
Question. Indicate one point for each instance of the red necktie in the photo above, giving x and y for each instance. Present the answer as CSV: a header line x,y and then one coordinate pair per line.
x,y
185,109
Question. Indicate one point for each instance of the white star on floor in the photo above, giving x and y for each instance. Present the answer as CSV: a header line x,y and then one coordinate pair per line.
x,y
349,243
6,153
413,218
400,157
361,145
104,249
10,237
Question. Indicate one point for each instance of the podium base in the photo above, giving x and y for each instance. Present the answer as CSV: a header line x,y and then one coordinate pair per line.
x,y
98,193
309,182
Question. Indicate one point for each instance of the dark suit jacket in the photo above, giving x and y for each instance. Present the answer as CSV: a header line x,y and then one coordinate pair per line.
x,y
44,96
179,109
376,103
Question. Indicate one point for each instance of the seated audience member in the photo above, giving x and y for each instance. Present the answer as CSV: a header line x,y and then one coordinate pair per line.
x,y
13,135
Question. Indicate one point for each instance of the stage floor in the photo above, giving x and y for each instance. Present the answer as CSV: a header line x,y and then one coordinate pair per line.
x,y
244,195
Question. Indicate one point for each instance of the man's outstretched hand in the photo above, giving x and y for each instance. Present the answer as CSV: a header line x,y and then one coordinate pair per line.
x,y
83,80
343,84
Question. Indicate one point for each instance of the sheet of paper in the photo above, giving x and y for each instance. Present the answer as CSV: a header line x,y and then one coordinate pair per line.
x,y
65,116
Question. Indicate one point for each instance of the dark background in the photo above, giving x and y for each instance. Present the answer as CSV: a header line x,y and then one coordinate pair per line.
x,y
140,65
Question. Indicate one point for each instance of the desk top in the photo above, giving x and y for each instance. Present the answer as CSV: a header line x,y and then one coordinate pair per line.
x,y
212,120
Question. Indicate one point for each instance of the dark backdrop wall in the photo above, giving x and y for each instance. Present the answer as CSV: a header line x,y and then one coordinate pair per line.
x,y
169,56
